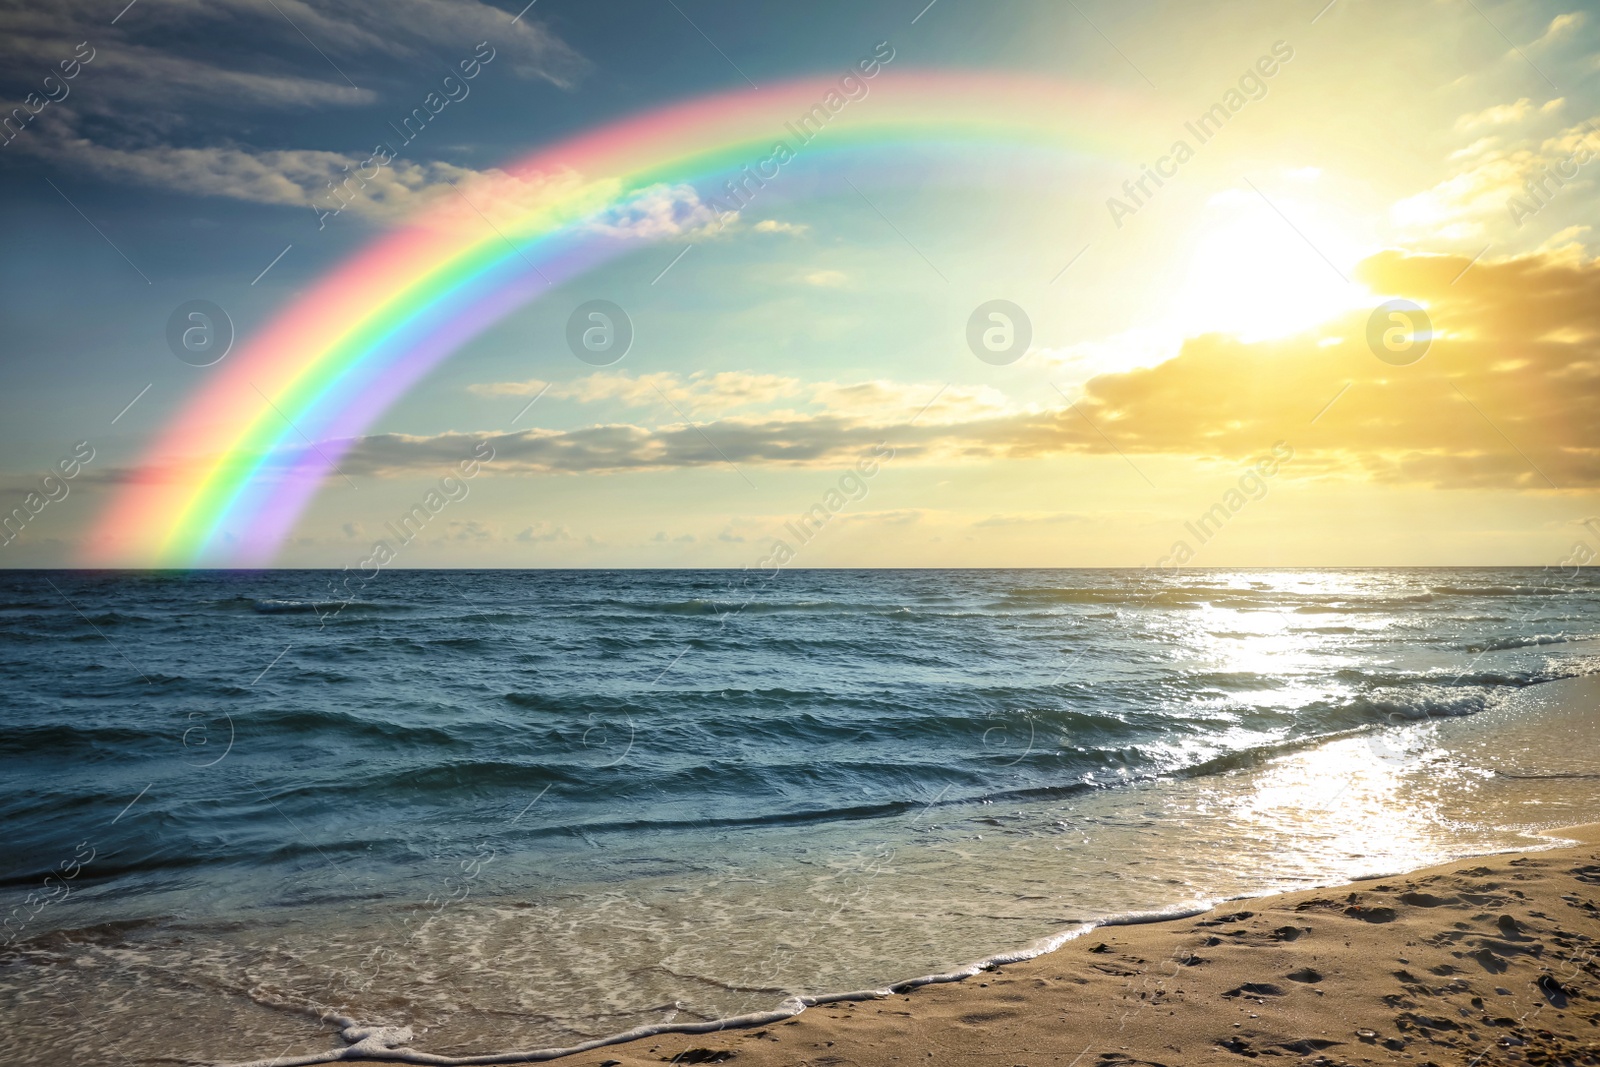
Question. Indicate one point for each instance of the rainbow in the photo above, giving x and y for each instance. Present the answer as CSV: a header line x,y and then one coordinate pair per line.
x,y
228,478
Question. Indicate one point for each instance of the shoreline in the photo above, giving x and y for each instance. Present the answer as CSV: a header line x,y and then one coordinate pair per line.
x,y
945,1011
1265,981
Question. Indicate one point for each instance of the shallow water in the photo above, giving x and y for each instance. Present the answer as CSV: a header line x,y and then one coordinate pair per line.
x,y
518,809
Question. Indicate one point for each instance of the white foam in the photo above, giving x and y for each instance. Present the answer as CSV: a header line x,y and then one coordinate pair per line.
x,y
388,1042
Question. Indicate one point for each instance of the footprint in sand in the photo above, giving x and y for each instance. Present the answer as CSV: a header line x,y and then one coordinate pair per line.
x,y
1427,900
1488,960
1255,989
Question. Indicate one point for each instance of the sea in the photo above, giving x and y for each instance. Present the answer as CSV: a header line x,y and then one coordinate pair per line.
x,y
521,810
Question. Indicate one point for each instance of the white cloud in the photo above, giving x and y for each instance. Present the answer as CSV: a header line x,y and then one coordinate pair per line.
x,y
775,226
455,198
1142,346
1476,148
1474,200
724,391
1498,115
827,279
294,177
1566,245
471,530
719,392
544,531
1036,518
657,212
1561,26
929,403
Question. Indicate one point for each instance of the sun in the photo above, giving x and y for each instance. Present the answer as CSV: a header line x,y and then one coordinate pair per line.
x,y
1268,268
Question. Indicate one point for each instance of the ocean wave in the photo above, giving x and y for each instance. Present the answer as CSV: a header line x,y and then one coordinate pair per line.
x,y
734,606
607,726
303,724
1493,590
321,607
1421,702
1503,644
79,739
1465,676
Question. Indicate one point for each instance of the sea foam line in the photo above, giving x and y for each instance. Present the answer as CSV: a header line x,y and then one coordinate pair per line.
x,y
387,1042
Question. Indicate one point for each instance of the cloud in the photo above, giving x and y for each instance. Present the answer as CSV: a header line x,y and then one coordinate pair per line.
x,y
439,195
1499,115
294,177
544,531
825,278
706,394
1516,359
720,391
897,517
131,77
416,29
1561,26
230,52
174,91
471,530
928,403
620,447
1506,397
658,212
1565,244
774,226
791,439
1047,518
1476,199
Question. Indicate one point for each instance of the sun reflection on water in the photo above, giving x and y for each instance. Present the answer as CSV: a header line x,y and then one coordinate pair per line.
x,y
1351,803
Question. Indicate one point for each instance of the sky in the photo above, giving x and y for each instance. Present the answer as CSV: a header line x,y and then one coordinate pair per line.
x,y
1058,284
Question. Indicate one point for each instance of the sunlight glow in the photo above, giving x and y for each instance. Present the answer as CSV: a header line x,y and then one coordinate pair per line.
x,y
1252,274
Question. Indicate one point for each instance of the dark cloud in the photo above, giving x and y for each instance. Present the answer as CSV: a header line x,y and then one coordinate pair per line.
x,y
246,54
208,97
617,448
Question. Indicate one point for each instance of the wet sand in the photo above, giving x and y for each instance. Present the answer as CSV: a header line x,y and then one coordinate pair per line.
x,y
1494,960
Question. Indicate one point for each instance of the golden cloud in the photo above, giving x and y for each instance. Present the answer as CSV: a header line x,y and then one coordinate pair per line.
x,y
1507,395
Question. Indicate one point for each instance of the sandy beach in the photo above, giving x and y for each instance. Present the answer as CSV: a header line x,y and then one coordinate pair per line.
x,y
1482,961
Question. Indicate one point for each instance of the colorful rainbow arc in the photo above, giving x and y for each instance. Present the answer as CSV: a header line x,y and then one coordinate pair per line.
x,y
230,476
